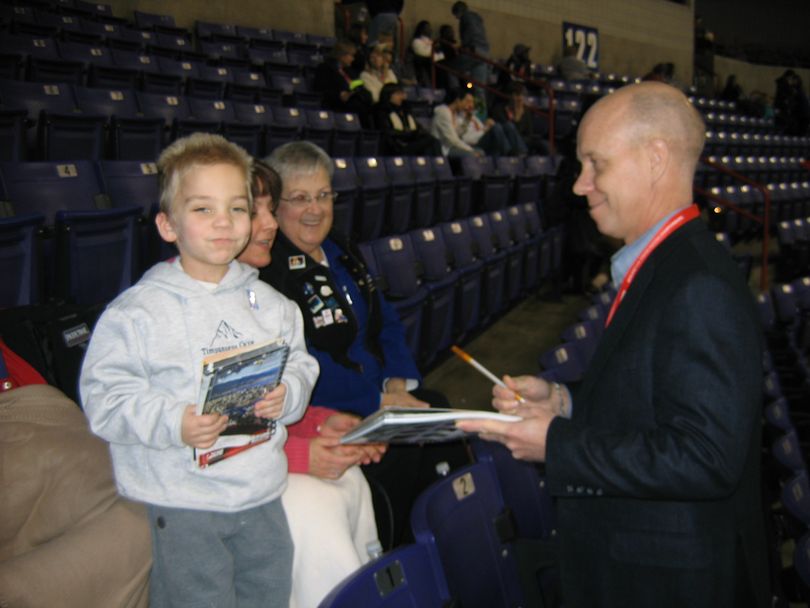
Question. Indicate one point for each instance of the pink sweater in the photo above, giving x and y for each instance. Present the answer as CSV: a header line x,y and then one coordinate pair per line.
x,y
299,434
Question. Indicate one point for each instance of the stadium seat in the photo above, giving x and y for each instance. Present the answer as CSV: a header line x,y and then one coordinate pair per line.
x,y
401,195
93,255
459,187
347,135
106,102
319,127
374,190
285,125
491,190
495,263
20,259
344,183
404,576
530,243
392,263
463,522
441,281
502,237
426,211
13,144
462,257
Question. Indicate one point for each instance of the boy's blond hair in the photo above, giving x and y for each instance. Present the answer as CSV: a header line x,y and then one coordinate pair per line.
x,y
192,151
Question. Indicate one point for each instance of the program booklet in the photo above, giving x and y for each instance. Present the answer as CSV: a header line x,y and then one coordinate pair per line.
x,y
409,425
231,383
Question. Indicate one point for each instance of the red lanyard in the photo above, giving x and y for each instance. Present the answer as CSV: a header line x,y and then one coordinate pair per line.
x,y
675,222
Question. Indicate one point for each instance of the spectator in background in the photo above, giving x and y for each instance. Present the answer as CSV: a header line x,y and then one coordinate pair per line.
x,y
422,54
461,133
447,45
358,34
732,92
341,90
384,20
377,73
402,135
474,40
790,104
571,67
513,111
518,67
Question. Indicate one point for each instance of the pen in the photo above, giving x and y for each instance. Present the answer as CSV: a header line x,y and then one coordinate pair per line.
x,y
468,359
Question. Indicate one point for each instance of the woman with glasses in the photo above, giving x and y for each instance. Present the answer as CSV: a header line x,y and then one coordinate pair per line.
x,y
350,328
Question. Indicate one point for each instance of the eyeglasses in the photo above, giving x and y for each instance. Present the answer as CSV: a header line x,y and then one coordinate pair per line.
x,y
302,200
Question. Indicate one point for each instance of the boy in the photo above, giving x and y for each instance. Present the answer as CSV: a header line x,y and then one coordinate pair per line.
x,y
220,537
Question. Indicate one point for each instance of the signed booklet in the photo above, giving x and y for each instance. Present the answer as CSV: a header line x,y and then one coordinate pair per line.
x,y
232,382
409,425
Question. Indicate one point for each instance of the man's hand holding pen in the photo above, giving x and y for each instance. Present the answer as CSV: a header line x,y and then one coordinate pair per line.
x,y
526,439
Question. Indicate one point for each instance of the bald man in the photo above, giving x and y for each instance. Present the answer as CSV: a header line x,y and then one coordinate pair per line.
x,y
654,457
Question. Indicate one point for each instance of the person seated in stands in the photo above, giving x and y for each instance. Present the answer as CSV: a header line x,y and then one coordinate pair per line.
x,y
220,535
447,46
461,133
402,135
341,89
571,67
422,54
358,34
350,328
513,110
327,500
378,72
518,67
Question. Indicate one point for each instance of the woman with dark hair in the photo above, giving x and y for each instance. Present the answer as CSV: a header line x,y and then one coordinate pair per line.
x,y
327,499
402,135
422,54
447,45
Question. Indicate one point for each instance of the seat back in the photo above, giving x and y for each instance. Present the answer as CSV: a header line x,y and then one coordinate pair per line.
x,y
19,260
402,578
50,187
403,190
107,102
372,213
480,566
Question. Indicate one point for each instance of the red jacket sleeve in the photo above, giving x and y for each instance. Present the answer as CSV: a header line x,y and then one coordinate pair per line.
x,y
299,435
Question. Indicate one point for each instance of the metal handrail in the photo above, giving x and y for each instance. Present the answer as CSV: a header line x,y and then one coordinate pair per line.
x,y
550,114
764,219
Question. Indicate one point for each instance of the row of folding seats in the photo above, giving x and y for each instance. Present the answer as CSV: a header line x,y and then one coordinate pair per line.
x,y
376,196
733,143
762,169
452,279
789,201
514,552
82,123
391,195
151,30
74,230
54,61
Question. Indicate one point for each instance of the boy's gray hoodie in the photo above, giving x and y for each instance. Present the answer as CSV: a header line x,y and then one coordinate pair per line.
x,y
144,366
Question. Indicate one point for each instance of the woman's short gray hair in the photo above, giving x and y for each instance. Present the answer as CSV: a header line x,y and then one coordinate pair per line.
x,y
300,158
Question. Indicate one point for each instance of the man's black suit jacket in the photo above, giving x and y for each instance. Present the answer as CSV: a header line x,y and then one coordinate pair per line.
x,y
657,472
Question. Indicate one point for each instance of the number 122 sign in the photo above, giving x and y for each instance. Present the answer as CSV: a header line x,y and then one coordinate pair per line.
x,y
586,39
